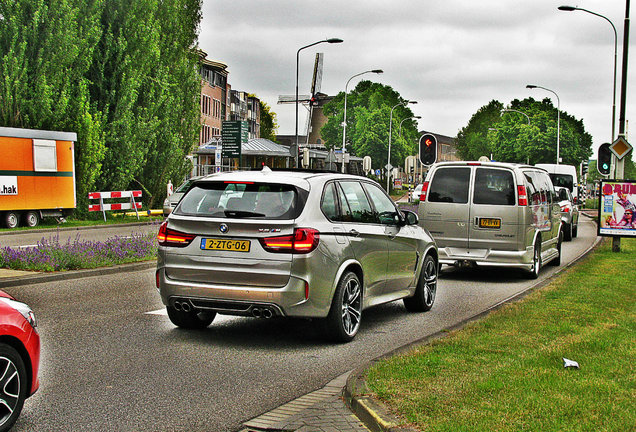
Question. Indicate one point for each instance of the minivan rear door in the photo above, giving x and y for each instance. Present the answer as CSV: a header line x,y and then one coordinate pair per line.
x,y
495,218
446,212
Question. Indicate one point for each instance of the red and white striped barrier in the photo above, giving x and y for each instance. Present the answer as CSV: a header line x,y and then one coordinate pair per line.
x,y
101,196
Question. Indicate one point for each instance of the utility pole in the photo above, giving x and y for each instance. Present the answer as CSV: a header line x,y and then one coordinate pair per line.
x,y
616,241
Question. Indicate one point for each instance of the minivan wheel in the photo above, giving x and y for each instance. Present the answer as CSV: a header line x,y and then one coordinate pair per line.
x,y
536,260
13,386
190,320
345,314
424,296
568,232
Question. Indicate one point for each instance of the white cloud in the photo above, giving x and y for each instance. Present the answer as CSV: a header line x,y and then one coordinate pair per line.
x,y
451,56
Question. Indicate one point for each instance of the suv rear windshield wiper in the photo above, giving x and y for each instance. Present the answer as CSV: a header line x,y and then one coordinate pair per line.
x,y
242,213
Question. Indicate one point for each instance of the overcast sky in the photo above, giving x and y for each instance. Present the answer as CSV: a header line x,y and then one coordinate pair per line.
x,y
451,56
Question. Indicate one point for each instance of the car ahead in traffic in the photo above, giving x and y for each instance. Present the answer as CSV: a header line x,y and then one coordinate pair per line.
x,y
415,194
19,358
569,213
292,244
171,201
492,214
563,176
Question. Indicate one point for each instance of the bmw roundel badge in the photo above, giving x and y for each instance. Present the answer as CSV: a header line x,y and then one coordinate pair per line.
x,y
224,228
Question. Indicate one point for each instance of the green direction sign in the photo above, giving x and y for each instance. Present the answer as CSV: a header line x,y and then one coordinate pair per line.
x,y
233,135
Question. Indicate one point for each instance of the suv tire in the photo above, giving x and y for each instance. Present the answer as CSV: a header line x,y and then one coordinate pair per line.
x,y
424,296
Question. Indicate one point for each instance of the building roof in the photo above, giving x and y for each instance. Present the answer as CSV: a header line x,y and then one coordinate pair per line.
x,y
256,146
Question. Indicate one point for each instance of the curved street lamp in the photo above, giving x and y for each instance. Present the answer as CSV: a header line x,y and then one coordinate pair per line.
x,y
408,118
388,174
330,40
532,86
344,122
505,110
572,8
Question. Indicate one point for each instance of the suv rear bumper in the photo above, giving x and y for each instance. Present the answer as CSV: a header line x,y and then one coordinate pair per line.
x,y
289,300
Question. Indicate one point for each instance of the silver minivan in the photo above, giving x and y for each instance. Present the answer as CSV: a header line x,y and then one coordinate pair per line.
x,y
493,214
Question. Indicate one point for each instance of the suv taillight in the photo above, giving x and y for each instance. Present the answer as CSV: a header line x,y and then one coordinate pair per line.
x,y
424,191
170,237
523,196
304,240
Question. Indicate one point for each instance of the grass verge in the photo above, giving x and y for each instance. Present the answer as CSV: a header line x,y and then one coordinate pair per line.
x,y
506,372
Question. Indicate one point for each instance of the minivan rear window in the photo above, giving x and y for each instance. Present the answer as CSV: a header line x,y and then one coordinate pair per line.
x,y
494,186
450,185
241,200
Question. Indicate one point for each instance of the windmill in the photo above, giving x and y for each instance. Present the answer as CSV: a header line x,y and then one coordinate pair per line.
x,y
311,100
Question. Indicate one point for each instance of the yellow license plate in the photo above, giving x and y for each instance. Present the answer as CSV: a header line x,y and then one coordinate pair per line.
x,y
225,245
489,223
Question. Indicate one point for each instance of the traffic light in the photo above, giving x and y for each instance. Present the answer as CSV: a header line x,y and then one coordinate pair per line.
x,y
584,166
428,149
604,159
313,101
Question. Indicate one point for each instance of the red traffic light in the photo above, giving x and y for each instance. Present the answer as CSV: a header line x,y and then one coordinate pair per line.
x,y
428,149
428,142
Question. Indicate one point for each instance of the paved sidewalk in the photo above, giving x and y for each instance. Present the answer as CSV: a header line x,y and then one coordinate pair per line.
x,y
323,410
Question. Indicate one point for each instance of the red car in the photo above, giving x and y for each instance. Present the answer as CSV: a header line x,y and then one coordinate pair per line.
x,y
19,358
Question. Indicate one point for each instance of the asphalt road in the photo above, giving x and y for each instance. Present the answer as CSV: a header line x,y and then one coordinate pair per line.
x,y
112,361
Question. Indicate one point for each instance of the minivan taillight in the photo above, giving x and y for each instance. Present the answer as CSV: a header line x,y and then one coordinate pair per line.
x,y
304,240
523,196
424,191
170,237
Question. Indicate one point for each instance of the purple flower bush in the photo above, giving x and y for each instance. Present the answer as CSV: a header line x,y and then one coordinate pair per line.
x,y
51,255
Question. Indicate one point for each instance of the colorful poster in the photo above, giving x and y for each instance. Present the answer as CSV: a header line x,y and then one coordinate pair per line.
x,y
617,208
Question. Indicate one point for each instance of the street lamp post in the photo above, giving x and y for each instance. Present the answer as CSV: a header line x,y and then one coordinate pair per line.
x,y
388,164
330,40
531,86
344,122
572,8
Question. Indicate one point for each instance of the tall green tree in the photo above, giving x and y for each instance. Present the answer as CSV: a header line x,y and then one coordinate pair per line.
x,y
268,121
473,139
368,112
46,48
123,74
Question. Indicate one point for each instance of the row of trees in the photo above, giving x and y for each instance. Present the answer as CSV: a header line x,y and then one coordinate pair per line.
x,y
368,112
511,136
123,74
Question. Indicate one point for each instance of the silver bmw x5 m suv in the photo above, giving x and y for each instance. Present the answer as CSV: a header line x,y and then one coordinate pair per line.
x,y
292,244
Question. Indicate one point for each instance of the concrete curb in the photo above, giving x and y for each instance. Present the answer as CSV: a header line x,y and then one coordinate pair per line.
x,y
374,413
36,278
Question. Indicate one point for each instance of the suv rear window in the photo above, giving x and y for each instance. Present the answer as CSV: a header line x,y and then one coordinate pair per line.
x,y
242,200
563,180
450,185
494,186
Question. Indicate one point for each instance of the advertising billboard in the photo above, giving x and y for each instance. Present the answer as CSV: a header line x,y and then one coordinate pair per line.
x,y
617,208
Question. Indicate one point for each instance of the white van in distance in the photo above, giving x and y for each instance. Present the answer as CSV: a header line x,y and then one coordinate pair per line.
x,y
563,176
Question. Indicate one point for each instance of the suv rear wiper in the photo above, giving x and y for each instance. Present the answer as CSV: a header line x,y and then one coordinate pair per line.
x,y
242,213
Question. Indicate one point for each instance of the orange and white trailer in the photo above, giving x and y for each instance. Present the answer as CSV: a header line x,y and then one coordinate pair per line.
x,y
37,175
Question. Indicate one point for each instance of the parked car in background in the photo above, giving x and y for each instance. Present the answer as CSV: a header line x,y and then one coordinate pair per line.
x,y
292,244
415,194
171,202
19,358
492,214
569,213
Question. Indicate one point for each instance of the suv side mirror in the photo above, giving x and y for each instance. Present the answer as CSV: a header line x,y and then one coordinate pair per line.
x,y
410,218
